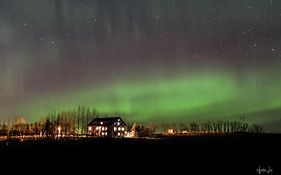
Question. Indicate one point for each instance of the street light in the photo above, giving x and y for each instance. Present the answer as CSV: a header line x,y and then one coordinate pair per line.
x,y
90,130
59,131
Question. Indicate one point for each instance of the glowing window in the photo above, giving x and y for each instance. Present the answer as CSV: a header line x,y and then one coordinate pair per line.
x,y
115,128
105,133
102,133
123,129
118,123
119,128
105,128
90,128
101,123
102,128
97,128
119,134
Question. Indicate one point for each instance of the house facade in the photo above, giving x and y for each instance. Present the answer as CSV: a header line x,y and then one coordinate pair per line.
x,y
107,127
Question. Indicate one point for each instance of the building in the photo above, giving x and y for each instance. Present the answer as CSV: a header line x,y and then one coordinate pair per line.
x,y
107,127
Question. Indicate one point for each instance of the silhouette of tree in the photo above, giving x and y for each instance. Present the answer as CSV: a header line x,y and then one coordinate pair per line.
x,y
194,127
183,127
257,129
48,128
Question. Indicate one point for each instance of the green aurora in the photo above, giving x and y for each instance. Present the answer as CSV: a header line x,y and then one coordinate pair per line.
x,y
153,61
181,97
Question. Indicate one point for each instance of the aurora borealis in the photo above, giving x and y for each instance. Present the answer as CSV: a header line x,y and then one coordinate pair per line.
x,y
154,60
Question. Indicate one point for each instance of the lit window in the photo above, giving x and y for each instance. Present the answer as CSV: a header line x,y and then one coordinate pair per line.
x,y
119,134
118,123
105,133
123,129
105,128
97,128
119,128
114,128
101,123
90,128
102,128
102,133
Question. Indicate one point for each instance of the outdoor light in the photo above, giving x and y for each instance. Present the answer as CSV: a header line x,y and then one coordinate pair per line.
x,y
90,128
59,130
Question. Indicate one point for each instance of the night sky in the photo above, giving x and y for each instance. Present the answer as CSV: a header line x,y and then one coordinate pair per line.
x,y
154,60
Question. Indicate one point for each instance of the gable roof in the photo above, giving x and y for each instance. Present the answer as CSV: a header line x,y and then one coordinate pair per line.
x,y
106,121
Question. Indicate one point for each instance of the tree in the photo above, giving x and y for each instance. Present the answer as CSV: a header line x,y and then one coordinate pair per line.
x,y
194,127
48,128
4,129
135,130
256,129
183,127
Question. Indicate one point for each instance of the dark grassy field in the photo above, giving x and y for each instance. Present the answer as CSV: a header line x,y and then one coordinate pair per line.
x,y
241,154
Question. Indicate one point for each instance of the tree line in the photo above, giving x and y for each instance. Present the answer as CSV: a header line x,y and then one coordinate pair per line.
x,y
220,126
74,122
71,122
227,127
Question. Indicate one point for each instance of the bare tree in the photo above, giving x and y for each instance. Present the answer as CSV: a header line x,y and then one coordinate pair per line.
x,y
194,127
257,129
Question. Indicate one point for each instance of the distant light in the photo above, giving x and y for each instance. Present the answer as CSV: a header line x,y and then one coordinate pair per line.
x,y
101,123
115,128
170,131
90,128
59,130
123,129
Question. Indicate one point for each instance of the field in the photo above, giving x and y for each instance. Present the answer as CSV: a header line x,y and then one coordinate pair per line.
x,y
241,154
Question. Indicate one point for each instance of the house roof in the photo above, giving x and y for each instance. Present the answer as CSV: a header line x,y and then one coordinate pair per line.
x,y
106,121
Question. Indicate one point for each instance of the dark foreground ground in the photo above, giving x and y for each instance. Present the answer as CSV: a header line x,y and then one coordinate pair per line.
x,y
240,154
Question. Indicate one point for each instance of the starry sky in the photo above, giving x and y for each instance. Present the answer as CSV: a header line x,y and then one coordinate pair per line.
x,y
153,60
